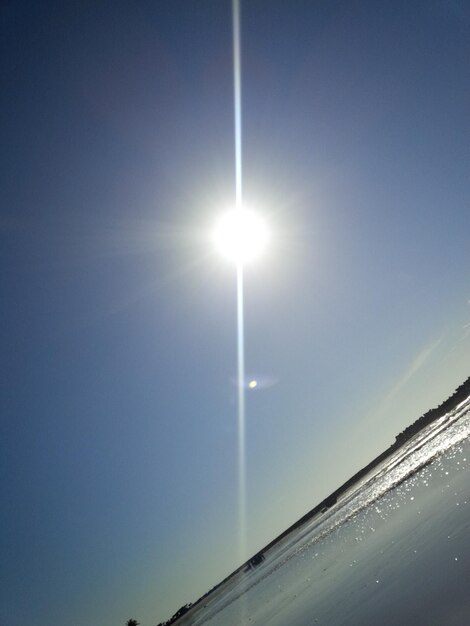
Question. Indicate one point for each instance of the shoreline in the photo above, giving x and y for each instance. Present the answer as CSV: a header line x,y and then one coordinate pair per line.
x,y
460,395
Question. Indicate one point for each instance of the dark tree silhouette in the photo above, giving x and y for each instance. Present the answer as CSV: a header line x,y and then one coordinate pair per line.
x,y
132,622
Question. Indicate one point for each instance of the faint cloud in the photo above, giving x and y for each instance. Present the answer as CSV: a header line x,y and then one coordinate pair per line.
x,y
464,334
414,366
466,328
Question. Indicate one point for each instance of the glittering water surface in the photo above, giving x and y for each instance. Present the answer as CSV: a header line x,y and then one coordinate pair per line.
x,y
394,549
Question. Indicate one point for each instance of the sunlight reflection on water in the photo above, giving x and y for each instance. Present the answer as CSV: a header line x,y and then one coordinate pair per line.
x,y
398,535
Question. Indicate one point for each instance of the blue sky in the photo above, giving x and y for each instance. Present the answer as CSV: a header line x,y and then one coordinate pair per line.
x,y
118,405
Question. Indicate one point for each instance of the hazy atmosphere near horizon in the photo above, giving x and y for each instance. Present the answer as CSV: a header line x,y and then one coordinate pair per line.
x,y
119,475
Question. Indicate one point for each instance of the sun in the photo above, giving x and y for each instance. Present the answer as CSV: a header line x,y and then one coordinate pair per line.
x,y
240,235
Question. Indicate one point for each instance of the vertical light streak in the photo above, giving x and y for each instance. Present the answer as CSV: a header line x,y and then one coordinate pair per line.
x,y
237,93
241,416
240,313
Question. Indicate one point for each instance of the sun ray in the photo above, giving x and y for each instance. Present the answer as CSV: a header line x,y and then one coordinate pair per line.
x,y
240,311
237,95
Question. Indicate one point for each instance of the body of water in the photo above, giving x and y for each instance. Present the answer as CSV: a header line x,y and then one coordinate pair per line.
x,y
395,549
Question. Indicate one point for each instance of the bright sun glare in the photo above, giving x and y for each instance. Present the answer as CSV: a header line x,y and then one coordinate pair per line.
x,y
240,235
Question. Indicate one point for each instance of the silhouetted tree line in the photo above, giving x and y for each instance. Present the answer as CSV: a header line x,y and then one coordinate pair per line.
x,y
184,609
179,613
459,395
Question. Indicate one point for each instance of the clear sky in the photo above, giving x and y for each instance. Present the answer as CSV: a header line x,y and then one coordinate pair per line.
x,y
118,320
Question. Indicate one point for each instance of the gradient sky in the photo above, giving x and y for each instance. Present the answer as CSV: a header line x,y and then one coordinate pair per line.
x,y
118,320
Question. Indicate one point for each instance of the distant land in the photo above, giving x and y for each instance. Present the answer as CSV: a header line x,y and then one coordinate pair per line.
x,y
459,395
